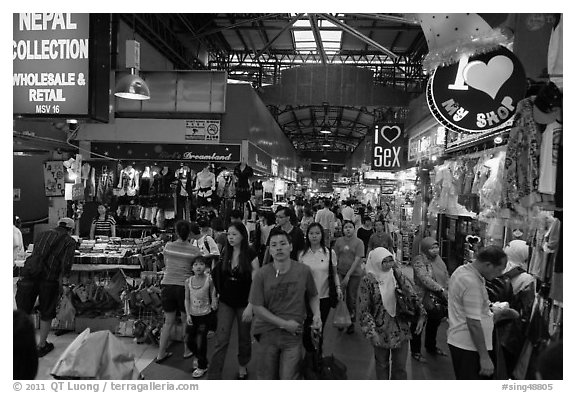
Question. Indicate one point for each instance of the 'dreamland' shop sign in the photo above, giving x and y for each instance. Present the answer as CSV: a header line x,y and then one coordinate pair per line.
x,y
169,152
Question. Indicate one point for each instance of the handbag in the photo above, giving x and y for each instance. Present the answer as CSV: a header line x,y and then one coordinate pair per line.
x,y
314,366
435,306
405,305
332,293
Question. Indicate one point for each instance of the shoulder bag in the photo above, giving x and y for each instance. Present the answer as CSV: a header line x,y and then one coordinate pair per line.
x,y
405,305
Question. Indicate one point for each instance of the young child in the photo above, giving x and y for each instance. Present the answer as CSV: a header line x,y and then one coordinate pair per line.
x,y
200,302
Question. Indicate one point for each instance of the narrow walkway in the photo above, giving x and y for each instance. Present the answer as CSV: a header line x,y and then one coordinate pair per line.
x,y
353,350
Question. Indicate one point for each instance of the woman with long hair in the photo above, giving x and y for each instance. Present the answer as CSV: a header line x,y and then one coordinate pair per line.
x,y
307,219
350,251
233,277
317,256
104,224
178,258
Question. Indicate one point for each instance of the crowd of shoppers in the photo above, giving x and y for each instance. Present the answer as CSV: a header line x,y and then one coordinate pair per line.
x,y
274,285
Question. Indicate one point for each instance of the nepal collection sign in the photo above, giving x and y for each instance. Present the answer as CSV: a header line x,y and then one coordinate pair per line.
x,y
50,63
478,94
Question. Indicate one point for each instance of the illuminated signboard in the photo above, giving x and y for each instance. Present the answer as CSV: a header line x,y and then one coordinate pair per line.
x,y
389,148
478,94
50,64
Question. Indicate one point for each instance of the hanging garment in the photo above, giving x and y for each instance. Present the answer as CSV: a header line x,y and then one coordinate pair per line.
x,y
104,191
522,163
205,185
128,184
491,191
184,184
555,68
243,182
145,181
549,158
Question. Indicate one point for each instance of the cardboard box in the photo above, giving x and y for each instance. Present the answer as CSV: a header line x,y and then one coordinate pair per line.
x,y
96,324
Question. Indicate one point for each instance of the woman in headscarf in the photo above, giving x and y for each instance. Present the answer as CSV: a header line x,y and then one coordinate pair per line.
x,y
518,253
387,331
431,278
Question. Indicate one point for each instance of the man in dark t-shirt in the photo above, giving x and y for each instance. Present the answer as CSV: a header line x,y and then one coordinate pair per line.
x,y
278,295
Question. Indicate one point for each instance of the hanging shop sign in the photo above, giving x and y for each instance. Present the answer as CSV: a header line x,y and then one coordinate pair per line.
x,y
389,148
61,65
478,94
259,159
50,63
202,130
54,178
169,152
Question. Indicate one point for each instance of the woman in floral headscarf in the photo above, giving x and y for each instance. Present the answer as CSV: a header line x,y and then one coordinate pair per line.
x,y
387,331
431,278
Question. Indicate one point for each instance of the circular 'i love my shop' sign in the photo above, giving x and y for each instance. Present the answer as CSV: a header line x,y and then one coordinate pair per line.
x,y
478,94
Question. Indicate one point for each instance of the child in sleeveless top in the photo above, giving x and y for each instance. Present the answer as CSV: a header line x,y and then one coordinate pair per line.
x,y
200,302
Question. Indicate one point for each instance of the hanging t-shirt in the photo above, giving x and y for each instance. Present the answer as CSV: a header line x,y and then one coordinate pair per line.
x,y
549,158
555,54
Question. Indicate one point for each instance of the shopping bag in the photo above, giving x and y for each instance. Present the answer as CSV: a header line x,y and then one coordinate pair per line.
x,y
116,285
98,355
341,316
65,313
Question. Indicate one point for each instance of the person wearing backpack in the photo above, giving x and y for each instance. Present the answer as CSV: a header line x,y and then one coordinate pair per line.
x,y
518,288
43,274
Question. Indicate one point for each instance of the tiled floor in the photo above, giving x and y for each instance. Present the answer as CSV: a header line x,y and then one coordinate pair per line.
x,y
354,350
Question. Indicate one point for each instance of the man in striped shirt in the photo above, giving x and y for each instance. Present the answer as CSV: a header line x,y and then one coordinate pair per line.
x,y
56,251
470,316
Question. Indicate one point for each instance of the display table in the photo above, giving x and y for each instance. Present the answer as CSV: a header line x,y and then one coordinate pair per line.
x,y
94,268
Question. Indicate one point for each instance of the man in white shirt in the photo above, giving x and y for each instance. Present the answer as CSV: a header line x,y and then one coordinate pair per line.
x,y
470,316
348,212
18,244
326,218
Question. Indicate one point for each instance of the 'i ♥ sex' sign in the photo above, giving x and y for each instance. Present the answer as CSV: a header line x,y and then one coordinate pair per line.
x,y
389,148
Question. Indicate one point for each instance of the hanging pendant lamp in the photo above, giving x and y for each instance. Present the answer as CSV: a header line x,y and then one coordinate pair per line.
x,y
131,86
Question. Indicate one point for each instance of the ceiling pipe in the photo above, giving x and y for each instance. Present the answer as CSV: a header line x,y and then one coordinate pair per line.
x,y
388,18
317,37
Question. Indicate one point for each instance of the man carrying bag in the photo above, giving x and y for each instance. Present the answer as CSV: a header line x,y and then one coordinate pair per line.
x,y
42,276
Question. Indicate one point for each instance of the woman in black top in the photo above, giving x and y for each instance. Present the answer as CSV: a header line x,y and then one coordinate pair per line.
x,y
365,231
233,277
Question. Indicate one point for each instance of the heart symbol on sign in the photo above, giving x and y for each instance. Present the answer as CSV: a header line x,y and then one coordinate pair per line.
x,y
473,239
490,77
390,133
